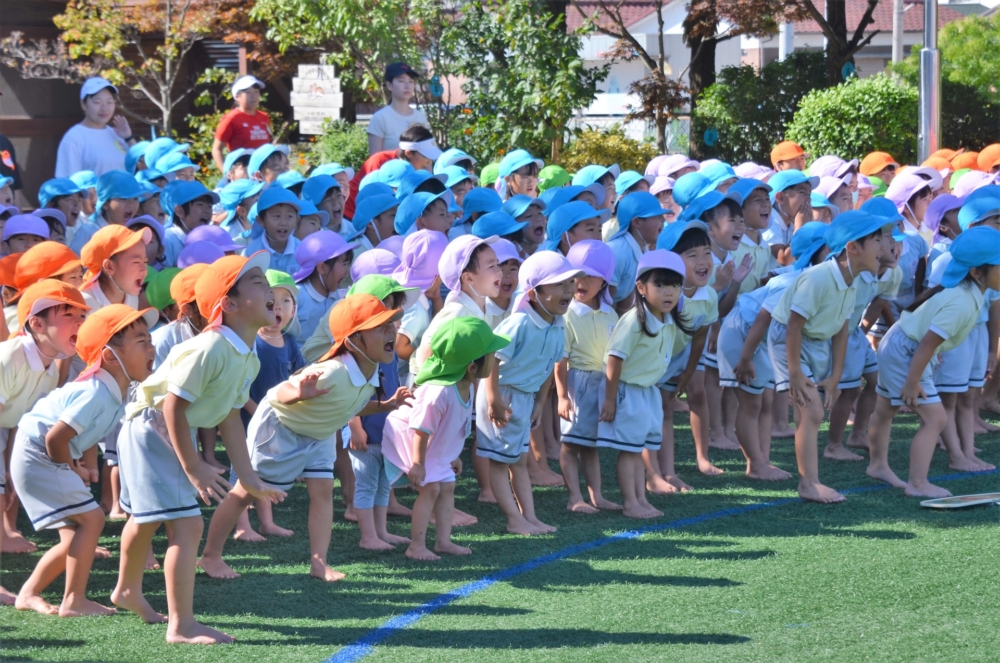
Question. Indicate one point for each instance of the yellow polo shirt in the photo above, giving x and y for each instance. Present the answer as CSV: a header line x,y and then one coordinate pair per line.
x,y
588,332
644,358
951,314
822,297
23,379
761,253
699,310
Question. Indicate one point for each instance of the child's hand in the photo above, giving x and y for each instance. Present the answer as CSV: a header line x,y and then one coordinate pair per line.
x,y
499,413
417,474
81,470
456,466
399,399
743,271
745,372
359,440
307,386
912,393
724,275
209,483
799,389
260,491
831,392
682,382
565,408
608,410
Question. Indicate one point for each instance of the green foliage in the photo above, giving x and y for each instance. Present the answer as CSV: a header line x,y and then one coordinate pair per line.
x,y
342,142
858,117
607,147
751,109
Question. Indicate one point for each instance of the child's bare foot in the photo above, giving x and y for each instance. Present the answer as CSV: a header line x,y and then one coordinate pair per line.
x,y
545,529
606,505
580,507
546,477
36,603
137,604
706,467
274,530
925,489
349,514
421,553
84,607
817,492
522,527
462,519
151,563
720,441
117,513
16,544
451,548
216,567
323,571
885,475
990,428
676,482
194,633
978,429
983,465
649,507
660,486
767,473
839,452
7,597
487,497
963,464
781,433
247,535
639,511
397,509
858,440
100,552
990,406
375,543
393,539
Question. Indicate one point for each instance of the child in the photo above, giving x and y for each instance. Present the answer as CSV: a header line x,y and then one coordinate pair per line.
x,y
530,211
237,198
907,351
203,384
325,261
459,182
421,253
115,259
47,260
423,439
267,162
48,462
640,221
790,198
477,203
188,322
942,218
589,322
510,402
631,418
158,295
64,195
499,308
374,219
277,213
912,196
423,211
573,222
807,338
311,220
519,175
292,431
117,201
56,221
191,207
324,192
23,231
155,249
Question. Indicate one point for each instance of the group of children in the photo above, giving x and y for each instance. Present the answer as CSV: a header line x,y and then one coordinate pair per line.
x,y
365,325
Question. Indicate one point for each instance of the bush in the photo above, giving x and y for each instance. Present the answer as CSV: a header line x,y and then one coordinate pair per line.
x,y
857,117
751,109
341,142
607,147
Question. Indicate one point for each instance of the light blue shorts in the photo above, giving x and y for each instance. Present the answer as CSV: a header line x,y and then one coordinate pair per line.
x,y
860,360
504,445
638,422
732,338
279,455
895,353
51,492
371,484
964,366
814,356
675,367
586,394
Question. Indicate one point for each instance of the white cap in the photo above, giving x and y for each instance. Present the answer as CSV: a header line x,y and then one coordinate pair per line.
x,y
246,82
95,85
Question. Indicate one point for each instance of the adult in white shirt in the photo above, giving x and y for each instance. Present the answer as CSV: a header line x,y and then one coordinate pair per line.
x,y
100,142
389,122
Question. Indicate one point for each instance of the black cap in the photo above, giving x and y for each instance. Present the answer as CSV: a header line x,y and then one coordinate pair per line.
x,y
398,69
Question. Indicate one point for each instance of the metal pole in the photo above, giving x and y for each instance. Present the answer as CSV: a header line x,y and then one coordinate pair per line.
x,y
786,40
897,31
930,86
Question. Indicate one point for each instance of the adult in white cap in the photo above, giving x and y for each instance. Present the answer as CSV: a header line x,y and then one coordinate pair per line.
x,y
100,142
389,122
245,126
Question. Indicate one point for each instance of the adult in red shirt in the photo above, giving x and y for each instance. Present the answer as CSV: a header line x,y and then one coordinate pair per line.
x,y
246,125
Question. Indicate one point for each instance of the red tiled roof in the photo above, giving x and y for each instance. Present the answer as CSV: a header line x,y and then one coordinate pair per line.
x,y
631,11
913,16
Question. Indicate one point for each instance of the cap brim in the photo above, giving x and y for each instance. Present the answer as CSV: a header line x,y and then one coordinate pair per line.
x,y
261,259
562,276
390,315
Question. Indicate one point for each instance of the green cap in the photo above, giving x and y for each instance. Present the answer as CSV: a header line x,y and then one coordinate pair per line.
x,y
279,279
456,344
552,177
489,174
878,186
158,288
380,287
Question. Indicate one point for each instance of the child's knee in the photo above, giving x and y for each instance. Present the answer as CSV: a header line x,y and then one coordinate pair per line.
x,y
318,488
92,520
934,417
431,490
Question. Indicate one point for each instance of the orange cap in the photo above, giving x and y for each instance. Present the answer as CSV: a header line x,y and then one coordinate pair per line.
x,y
967,160
219,278
43,261
46,294
8,266
100,326
945,153
182,287
938,163
357,313
784,151
876,162
989,157
109,241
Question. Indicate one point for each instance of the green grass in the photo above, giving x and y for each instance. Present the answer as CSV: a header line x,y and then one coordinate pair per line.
x,y
875,578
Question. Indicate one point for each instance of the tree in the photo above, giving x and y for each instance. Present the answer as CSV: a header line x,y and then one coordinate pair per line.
x,y
839,48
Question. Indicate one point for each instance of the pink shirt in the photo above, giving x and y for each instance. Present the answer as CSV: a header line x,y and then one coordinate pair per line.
x,y
439,412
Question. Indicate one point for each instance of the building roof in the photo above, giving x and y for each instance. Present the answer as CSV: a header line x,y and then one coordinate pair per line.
x,y
631,11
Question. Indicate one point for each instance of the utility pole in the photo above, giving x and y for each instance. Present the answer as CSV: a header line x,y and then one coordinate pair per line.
x,y
786,40
897,31
930,85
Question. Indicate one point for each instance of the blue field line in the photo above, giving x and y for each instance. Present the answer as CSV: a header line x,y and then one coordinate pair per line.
x,y
366,645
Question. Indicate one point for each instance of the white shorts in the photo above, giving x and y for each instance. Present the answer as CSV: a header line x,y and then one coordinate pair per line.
x,y
51,492
732,338
963,366
814,356
586,394
279,455
155,487
675,367
638,422
504,445
860,360
895,353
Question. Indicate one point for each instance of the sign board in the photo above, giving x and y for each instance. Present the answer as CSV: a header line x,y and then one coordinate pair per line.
x,y
316,96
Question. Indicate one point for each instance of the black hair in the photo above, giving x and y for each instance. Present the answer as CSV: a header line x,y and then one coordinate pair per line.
x,y
472,266
55,228
187,206
243,160
532,170
395,300
659,278
232,293
691,238
59,308
109,89
271,159
118,340
431,185
710,215
815,258
479,365
517,236
603,180
415,133
922,191
464,163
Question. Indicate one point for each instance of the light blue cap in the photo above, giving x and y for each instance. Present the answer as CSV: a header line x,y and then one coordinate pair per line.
x,y
116,184
372,206
480,200
332,169
672,233
135,153
60,186
817,199
592,174
411,207
881,207
516,160
369,179
496,223
276,196
393,172
148,175
290,178
373,189
629,179
315,188
690,186
173,162
562,220
449,158
786,178
638,205
161,147
411,181
556,198
148,191
706,202
182,193
261,154
457,175
85,179
976,211
236,192
987,191
718,172
519,204
233,157
806,241
309,209
851,226
974,247
743,187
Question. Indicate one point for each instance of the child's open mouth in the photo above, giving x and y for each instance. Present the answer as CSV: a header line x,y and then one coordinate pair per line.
x,y
270,306
72,340
539,232
564,303
701,273
506,287
736,240
496,284
390,347
277,319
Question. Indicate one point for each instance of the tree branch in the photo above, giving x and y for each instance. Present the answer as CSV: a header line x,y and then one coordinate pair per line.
x,y
824,26
866,20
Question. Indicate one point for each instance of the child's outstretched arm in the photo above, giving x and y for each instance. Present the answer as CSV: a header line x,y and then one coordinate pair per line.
x,y
206,478
912,391
394,402
613,373
874,312
830,387
301,389
744,370
798,383
57,447
562,390
234,438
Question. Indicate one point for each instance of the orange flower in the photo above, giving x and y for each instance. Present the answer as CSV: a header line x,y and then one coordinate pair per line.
x,y
467,111
302,162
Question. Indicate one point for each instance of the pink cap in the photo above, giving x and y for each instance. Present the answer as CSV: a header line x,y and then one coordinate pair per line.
x,y
828,185
25,224
374,261
902,188
595,258
455,258
543,268
199,252
749,169
661,183
421,252
965,185
675,162
506,250
864,182
653,167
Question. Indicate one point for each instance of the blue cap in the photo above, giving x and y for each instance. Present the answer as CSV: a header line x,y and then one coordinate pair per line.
x,y
165,201
519,204
638,205
806,241
975,211
148,175
315,188
290,178
566,216
233,157
480,200
85,179
972,248
629,179
987,191
182,193
556,198
372,206
135,153
276,196
236,192
881,207
412,180
690,186
672,233
786,178
516,160
456,175
60,186
705,202
174,161
309,209
851,226
449,158
592,174
332,169
148,191
392,172
161,147
718,172
373,189
496,223
116,184
369,179
743,187
817,199
411,207
261,154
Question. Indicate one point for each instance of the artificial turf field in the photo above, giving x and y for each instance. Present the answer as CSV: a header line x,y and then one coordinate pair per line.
x,y
875,578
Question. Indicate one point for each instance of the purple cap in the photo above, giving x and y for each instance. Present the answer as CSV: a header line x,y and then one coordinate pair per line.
x,y
661,259
903,187
661,183
199,252
829,184
543,268
969,182
374,261
506,250
51,213
864,182
393,245
421,253
456,257
214,234
832,166
9,209
653,167
755,171
595,258
675,162
940,206
25,224
319,247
